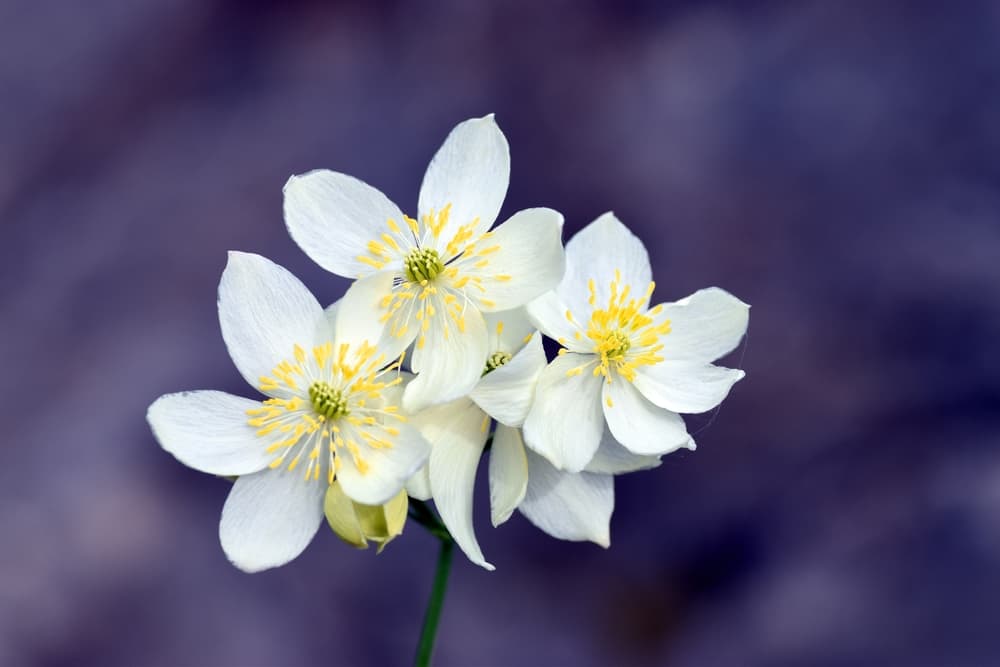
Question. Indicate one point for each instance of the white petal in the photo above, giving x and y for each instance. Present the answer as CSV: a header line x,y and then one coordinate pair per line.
x,y
596,252
450,363
704,326
333,217
508,473
569,506
613,459
457,438
528,262
208,431
330,313
387,470
359,316
269,518
419,486
686,386
640,426
509,330
565,421
506,393
265,312
548,313
470,172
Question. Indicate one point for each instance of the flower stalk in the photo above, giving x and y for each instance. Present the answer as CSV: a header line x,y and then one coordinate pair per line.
x,y
423,515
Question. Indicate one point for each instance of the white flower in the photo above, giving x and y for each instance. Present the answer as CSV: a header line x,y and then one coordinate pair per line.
x,y
572,506
622,362
429,279
332,412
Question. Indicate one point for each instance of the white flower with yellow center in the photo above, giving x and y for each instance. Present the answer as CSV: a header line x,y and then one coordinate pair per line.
x,y
427,280
623,363
571,506
332,413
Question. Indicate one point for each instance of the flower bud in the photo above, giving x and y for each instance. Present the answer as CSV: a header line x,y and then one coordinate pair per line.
x,y
358,524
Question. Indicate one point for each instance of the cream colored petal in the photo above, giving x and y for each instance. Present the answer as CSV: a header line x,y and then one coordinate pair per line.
x,y
333,217
359,316
265,312
457,433
704,326
613,459
269,518
640,426
565,421
526,260
555,319
509,330
384,471
508,473
569,506
686,386
596,252
208,431
469,173
506,393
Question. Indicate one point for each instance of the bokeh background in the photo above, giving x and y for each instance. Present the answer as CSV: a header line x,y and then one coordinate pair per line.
x,y
835,164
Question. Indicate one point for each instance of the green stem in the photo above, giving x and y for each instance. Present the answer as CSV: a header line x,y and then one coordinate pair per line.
x,y
425,516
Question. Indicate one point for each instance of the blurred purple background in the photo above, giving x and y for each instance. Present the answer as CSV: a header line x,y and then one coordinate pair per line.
x,y
837,165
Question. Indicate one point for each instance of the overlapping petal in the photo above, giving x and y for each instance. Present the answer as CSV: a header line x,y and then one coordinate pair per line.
x,y
457,433
332,217
568,506
208,431
469,173
388,468
640,426
528,260
449,364
686,386
508,473
704,326
264,311
269,518
506,393
565,421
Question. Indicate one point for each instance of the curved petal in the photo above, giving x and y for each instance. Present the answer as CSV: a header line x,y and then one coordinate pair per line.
x,y
359,316
506,393
269,518
596,252
565,421
549,313
508,473
457,435
638,425
704,326
508,330
330,314
332,217
208,431
528,260
265,312
419,486
384,471
470,172
569,506
613,459
686,386
450,363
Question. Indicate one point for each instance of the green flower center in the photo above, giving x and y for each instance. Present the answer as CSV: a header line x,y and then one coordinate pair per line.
x,y
327,401
614,345
422,264
496,360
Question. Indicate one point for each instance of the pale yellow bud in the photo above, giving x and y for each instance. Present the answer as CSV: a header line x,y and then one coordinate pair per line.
x,y
359,524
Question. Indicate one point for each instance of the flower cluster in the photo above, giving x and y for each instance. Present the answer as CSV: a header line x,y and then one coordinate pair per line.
x,y
434,355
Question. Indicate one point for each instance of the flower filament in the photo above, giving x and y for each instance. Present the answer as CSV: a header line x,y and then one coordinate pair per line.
x,y
327,405
623,335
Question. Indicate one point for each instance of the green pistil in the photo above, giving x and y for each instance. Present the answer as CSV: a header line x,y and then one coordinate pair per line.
x,y
327,401
496,360
615,345
422,264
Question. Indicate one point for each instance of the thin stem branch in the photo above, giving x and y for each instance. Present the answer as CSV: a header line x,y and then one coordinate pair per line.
x,y
425,516
425,649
